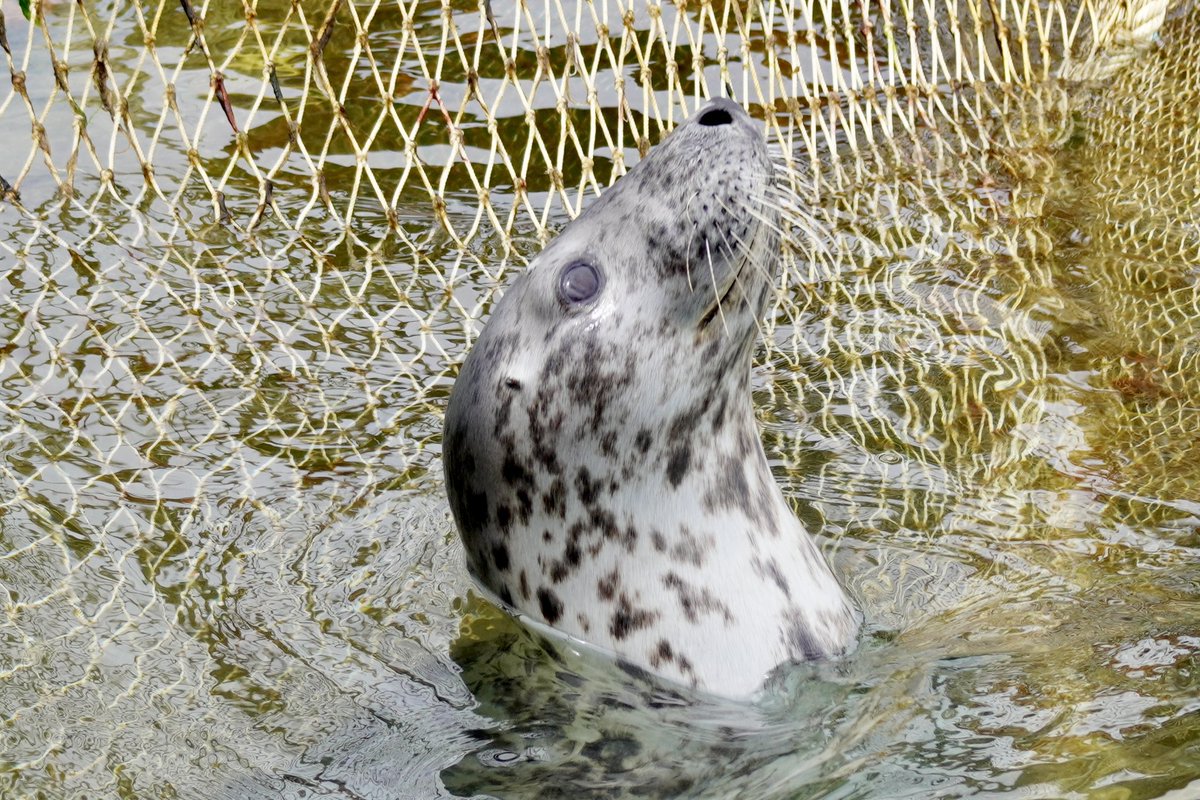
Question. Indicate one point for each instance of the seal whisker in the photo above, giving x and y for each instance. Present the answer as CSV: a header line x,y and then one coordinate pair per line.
x,y
765,221
713,278
785,204
747,249
800,220
687,252
786,201
745,253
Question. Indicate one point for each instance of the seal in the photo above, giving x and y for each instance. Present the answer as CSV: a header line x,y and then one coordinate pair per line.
x,y
600,450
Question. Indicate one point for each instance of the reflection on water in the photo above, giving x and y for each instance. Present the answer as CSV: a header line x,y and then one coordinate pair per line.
x,y
228,568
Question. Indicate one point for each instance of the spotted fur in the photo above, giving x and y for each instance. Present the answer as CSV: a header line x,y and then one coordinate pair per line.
x,y
602,459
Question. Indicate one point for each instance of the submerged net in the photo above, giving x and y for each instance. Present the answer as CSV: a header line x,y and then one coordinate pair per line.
x,y
244,247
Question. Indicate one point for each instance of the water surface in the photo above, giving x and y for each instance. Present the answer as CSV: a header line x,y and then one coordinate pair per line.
x,y
227,563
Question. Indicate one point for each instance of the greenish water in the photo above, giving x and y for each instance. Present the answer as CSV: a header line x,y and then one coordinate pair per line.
x,y
227,565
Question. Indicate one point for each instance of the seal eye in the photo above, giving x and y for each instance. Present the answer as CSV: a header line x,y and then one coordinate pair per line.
x,y
579,283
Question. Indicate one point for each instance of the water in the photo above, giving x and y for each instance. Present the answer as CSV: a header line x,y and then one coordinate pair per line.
x,y
228,565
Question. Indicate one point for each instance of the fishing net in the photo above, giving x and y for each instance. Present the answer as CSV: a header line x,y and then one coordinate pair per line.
x,y
244,248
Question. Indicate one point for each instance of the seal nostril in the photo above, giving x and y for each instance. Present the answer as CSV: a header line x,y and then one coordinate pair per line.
x,y
716,116
512,383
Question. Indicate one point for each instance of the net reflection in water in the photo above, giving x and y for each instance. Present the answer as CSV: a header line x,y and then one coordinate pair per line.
x,y
245,248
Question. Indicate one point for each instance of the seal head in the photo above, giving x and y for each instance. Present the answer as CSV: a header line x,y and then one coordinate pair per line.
x,y
601,454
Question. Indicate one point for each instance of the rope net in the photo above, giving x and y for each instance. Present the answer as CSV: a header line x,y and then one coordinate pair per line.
x,y
244,247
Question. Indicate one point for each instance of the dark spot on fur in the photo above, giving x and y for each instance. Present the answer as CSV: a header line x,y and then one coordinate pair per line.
x,y
550,605
660,541
524,506
685,423
520,480
713,350
569,561
503,413
500,556
472,510
505,596
745,444
735,483
595,375
503,518
685,666
690,548
802,644
643,440
718,419
554,499
524,586
514,473
545,422
770,569
662,654
677,465
630,538
607,586
587,489
603,521
627,619
754,495
696,600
